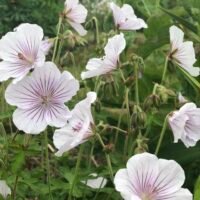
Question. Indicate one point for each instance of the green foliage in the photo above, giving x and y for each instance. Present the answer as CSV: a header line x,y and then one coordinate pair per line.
x,y
22,158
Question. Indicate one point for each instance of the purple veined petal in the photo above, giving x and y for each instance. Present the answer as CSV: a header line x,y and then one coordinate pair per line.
x,y
176,37
182,194
65,88
170,179
57,115
143,170
16,70
31,121
23,94
78,27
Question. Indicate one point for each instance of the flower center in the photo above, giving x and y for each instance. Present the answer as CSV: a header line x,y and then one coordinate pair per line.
x,y
45,100
25,58
146,197
77,127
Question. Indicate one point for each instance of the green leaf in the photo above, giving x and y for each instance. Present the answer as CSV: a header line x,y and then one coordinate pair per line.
x,y
197,190
182,21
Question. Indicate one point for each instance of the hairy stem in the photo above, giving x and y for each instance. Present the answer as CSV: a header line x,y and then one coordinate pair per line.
x,y
161,135
164,71
57,38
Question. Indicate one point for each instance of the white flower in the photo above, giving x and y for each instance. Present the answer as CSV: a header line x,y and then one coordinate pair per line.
x,y
149,178
95,182
4,189
182,52
21,51
185,124
76,14
125,18
40,98
79,126
100,66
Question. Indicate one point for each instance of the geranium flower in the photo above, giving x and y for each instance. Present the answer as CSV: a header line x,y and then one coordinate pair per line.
x,y
76,14
125,18
100,66
21,51
181,52
149,178
95,182
185,124
40,98
78,128
4,189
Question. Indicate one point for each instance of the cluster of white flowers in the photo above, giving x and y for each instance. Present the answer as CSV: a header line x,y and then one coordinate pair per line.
x,y
40,98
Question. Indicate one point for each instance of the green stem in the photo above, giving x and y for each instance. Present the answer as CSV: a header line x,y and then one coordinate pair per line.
x,y
57,38
136,85
15,187
164,71
96,28
47,163
128,121
107,156
155,88
80,153
161,135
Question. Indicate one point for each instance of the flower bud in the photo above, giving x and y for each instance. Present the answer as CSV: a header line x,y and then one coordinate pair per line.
x,y
138,118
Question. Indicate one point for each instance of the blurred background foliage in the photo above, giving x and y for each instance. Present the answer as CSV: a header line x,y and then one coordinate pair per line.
x,y
25,163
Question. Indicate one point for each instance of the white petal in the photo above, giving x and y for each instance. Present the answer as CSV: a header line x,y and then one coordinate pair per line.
x,y
66,138
46,45
177,123
176,37
78,14
96,67
96,182
21,51
94,63
128,11
119,16
142,170
133,24
182,194
78,27
115,46
83,108
57,115
123,185
15,70
170,178
31,121
65,88
4,189
70,4
22,94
